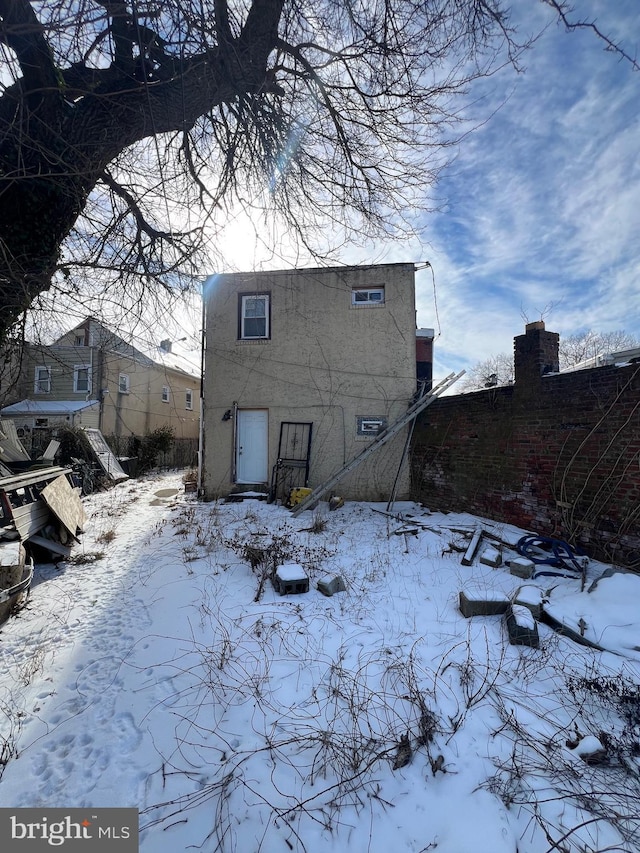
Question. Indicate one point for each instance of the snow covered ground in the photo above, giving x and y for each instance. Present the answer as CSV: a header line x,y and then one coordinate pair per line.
x,y
157,669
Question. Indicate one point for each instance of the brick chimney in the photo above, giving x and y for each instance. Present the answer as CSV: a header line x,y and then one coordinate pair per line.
x,y
424,356
534,354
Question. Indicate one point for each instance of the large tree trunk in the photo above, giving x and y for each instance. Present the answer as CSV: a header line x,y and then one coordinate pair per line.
x,y
60,128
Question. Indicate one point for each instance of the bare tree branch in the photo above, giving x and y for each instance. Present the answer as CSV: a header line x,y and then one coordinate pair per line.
x,y
564,9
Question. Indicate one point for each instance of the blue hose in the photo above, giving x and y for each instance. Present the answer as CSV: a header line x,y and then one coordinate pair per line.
x,y
560,554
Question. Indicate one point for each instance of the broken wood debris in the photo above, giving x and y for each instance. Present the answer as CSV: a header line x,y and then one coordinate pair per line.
x,y
470,553
40,500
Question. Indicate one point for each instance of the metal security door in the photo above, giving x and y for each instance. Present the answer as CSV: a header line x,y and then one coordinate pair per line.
x,y
252,448
292,466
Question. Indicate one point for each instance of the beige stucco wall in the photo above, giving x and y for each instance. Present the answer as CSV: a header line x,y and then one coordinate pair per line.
x,y
327,361
142,409
136,412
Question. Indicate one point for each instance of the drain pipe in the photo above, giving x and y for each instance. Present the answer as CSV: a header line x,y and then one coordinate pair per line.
x,y
201,425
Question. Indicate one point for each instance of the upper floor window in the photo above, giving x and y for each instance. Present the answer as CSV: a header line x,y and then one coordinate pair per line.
x,y
42,383
123,383
367,296
189,399
82,378
254,316
79,340
166,394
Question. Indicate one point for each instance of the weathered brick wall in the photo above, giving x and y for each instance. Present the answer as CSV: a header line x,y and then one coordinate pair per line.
x,y
556,454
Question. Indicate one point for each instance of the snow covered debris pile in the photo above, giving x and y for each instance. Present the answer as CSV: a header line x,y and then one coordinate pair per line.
x,y
154,675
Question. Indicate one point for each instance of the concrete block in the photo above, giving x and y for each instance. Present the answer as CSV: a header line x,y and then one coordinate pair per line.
x,y
483,603
290,579
521,626
330,584
521,567
530,596
491,557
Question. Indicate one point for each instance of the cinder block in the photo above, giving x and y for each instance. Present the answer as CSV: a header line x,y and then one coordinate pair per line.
x,y
483,604
491,557
530,596
521,626
521,567
330,584
290,579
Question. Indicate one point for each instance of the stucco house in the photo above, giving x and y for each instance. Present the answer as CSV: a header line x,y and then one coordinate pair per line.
x,y
303,368
91,377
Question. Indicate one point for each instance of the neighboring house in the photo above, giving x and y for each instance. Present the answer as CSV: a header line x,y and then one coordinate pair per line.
x,y
307,367
91,377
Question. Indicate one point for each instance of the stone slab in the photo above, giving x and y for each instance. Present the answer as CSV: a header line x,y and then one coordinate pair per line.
x,y
531,597
330,584
491,557
479,603
521,567
521,627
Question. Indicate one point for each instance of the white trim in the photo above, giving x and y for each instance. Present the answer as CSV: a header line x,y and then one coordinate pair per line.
x,y
126,383
257,296
166,394
76,372
39,382
367,296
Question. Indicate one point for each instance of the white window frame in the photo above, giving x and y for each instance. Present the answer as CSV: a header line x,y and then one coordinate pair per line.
x,y
79,341
166,394
244,300
76,378
40,382
124,386
188,400
368,296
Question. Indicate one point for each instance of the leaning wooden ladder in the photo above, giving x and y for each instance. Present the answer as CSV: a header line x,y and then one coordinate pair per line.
x,y
412,412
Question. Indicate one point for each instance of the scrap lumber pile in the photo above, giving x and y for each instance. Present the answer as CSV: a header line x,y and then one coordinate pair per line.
x,y
41,507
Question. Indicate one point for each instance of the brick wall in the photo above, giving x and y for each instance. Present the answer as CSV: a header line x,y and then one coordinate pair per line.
x,y
557,454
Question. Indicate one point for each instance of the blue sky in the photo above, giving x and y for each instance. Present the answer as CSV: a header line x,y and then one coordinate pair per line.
x,y
538,214
541,217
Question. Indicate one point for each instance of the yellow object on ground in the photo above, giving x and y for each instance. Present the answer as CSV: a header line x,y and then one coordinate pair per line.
x,y
296,496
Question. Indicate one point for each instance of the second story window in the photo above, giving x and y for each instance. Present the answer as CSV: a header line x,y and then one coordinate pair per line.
x,y
123,383
82,378
42,384
367,296
254,316
166,394
189,399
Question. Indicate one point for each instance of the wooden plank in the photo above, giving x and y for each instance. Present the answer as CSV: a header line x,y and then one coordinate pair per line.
x,y
470,553
11,448
51,450
65,504
31,518
29,478
51,545
105,456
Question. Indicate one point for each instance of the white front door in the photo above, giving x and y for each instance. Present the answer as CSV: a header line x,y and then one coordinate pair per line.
x,y
252,446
